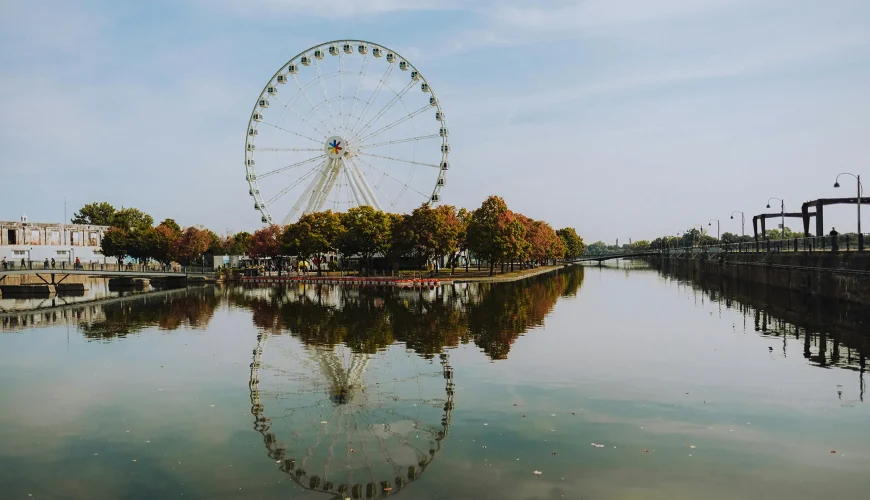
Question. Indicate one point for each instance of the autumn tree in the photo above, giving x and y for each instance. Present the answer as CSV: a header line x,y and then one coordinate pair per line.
x,y
495,233
164,238
366,233
313,236
191,244
268,243
97,213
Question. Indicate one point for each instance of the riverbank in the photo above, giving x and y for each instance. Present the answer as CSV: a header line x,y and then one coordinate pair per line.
x,y
506,277
835,276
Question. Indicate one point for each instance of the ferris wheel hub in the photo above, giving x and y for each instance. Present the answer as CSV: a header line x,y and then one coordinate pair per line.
x,y
336,147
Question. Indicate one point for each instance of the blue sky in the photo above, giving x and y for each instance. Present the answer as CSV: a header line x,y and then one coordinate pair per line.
x,y
622,118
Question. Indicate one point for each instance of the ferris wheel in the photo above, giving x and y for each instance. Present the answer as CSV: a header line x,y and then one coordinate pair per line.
x,y
345,123
349,424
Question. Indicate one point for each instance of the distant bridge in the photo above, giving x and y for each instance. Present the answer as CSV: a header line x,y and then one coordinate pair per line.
x,y
602,258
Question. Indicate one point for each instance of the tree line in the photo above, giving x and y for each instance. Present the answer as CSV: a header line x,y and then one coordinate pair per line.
x,y
492,233
132,233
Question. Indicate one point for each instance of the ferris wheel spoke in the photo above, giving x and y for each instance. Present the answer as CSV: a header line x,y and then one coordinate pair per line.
x,y
375,92
288,167
317,201
400,160
304,120
393,124
398,141
390,104
304,91
292,185
325,92
404,186
340,91
312,187
273,150
362,74
292,132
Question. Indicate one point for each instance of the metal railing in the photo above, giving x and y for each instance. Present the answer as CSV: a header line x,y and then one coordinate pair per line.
x,y
151,268
838,243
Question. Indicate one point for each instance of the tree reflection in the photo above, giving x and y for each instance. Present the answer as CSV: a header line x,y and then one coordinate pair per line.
x,y
367,319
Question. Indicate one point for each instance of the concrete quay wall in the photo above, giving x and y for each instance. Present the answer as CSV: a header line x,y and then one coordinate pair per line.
x,y
844,276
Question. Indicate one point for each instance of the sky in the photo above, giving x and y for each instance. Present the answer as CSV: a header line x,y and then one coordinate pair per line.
x,y
622,118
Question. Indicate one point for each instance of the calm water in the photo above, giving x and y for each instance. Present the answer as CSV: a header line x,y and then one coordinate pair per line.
x,y
612,383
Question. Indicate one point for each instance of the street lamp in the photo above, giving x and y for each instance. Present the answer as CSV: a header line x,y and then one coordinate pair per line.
x,y
710,223
782,211
860,189
742,221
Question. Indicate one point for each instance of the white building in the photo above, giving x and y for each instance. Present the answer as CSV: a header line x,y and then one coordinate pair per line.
x,y
37,241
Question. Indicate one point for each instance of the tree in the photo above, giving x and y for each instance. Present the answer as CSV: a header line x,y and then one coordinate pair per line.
x,y
238,243
573,243
216,245
544,243
367,232
639,245
164,239
191,244
313,236
267,243
495,233
729,238
97,214
132,219
115,244
172,225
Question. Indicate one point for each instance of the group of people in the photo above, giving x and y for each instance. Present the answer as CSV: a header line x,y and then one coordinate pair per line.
x,y
47,264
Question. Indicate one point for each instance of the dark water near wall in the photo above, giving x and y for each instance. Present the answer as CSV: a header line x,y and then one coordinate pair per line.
x,y
612,383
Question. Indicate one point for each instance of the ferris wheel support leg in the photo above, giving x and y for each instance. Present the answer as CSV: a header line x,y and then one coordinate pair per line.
x,y
324,192
357,183
368,189
312,187
357,196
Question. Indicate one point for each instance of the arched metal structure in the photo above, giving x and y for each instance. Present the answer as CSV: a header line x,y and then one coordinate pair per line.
x,y
327,146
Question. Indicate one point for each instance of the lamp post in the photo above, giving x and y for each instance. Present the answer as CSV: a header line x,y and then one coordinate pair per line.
x,y
782,211
860,188
742,221
710,223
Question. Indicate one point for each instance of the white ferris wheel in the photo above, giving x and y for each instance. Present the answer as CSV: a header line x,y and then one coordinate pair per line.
x,y
345,123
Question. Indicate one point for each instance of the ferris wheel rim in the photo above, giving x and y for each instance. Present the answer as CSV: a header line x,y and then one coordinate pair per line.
x,y
263,426
264,207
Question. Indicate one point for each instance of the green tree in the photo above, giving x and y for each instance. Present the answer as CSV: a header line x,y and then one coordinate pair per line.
x,y
314,235
238,243
97,213
115,244
130,219
367,232
573,243
639,245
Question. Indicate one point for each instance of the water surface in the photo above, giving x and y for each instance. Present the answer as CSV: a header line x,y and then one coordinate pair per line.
x,y
612,383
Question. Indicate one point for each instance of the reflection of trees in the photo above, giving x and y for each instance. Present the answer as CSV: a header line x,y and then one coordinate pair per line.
x,y
120,316
492,315
192,307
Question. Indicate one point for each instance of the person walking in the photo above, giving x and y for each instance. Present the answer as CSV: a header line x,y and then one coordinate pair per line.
x,y
835,243
45,264
53,263
23,263
78,263
4,263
